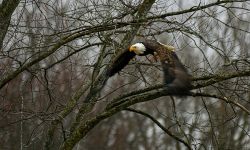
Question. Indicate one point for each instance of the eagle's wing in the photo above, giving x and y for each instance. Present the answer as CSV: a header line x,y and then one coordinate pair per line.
x,y
120,62
176,77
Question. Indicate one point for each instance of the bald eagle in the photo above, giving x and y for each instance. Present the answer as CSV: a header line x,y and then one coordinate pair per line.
x,y
176,78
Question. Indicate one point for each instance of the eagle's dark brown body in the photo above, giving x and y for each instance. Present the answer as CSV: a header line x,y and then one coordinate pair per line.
x,y
176,78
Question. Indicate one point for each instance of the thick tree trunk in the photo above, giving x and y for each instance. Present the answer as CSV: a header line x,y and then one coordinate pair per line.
x,y
6,10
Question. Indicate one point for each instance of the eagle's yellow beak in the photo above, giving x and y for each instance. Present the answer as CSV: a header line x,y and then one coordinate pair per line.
x,y
132,48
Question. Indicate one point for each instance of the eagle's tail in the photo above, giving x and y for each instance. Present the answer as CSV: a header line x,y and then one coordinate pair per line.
x,y
176,78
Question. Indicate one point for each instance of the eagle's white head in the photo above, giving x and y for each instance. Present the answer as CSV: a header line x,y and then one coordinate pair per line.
x,y
138,48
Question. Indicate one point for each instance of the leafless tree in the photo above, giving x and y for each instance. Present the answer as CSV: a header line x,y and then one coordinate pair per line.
x,y
55,93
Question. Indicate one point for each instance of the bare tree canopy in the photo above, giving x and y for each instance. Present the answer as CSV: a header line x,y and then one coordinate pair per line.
x,y
56,94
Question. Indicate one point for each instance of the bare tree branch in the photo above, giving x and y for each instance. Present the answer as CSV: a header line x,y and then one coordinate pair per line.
x,y
160,125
